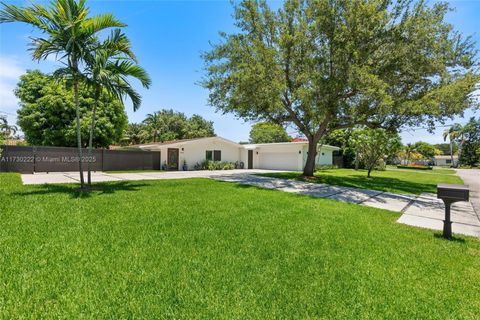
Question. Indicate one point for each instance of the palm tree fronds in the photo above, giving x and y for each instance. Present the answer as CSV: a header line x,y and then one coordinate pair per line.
x,y
104,21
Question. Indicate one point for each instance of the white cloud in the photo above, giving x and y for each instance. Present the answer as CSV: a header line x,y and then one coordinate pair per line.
x,y
10,71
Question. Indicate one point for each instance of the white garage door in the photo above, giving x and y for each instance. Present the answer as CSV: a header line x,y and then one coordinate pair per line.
x,y
279,161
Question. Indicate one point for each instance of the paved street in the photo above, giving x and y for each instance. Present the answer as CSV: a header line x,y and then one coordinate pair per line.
x,y
424,211
471,177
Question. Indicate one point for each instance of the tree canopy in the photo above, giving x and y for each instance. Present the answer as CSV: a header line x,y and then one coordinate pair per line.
x,y
167,125
331,64
267,132
470,155
374,145
426,150
47,113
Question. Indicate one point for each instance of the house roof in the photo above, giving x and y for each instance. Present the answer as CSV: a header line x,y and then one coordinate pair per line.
x,y
254,145
183,141
246,146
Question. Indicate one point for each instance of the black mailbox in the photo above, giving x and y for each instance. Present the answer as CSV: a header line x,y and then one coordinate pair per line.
x,y
451,193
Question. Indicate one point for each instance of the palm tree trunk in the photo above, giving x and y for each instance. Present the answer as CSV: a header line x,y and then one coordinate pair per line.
x,y
451,152
90,139
79,133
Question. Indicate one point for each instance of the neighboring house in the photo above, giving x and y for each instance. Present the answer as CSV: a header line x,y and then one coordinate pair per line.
x,y
280,156
445,161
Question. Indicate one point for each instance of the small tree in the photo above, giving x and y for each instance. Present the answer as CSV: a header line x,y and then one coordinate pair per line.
x,y
373,145
426,150
47,114
266,132
470,154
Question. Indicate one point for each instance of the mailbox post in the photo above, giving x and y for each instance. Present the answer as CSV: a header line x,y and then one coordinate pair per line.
x,y
451,193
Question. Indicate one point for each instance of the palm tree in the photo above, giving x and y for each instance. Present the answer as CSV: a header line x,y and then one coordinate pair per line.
x,y
6,129
454,133
108,69
410,149
155,125
70,36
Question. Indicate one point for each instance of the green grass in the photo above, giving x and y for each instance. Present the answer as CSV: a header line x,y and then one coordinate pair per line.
x,y
202,249
392,180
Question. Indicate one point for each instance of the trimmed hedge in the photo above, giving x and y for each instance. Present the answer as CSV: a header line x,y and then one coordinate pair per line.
x,y
415,167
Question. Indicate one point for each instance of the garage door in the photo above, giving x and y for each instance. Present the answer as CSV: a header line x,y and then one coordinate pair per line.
x,y
279,161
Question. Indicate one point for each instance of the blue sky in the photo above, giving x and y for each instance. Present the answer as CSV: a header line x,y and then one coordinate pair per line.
x,y
168,37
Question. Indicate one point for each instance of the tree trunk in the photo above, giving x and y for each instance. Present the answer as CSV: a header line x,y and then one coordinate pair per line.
x,y
451,152
79,133
460,150
369,171
90,139
311,155
357,163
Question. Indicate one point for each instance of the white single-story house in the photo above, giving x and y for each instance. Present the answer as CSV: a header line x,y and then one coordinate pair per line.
x,y
445,161
279,156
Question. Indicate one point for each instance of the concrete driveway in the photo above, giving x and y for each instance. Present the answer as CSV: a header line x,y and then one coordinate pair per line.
x,y
74,177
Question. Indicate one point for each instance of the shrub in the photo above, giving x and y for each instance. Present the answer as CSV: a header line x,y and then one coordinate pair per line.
x,y
214,165
415,166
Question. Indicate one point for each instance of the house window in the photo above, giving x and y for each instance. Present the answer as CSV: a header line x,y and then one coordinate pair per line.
x,y
449,161
215,155
209,155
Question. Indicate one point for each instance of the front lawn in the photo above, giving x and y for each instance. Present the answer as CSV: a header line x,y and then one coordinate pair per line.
x,y
203,249
392,180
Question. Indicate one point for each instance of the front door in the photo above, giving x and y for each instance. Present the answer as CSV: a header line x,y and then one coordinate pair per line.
x,y
250,159
172,159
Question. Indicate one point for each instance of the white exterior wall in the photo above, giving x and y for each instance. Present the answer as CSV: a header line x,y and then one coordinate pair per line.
x,y
324,156
195,151
443,162
280,156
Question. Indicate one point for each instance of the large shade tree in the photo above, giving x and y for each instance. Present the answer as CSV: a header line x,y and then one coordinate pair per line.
x,y
331,64
69,34
47,113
